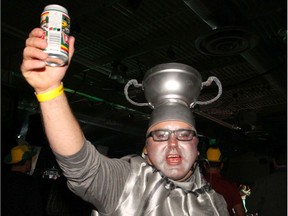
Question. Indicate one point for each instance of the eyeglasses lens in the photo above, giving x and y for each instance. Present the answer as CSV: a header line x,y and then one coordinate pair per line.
x,y
163,135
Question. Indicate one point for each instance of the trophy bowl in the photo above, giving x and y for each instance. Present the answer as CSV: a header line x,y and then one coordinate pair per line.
x,y
171,82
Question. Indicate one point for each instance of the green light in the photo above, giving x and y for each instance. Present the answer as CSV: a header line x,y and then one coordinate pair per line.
x,y
83,94
101,100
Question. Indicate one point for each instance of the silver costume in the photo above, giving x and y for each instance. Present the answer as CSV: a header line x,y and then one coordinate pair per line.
x,y
148,193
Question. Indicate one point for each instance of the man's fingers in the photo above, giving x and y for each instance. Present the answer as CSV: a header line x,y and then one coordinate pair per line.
x,y
36,32
36,42
34,53
71,46
32,65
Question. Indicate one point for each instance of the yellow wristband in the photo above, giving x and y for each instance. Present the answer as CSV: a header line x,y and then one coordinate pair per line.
x,y
42,97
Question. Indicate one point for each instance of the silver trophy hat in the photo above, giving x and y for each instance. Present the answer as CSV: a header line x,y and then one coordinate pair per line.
x,y
171,90
171,81
171,111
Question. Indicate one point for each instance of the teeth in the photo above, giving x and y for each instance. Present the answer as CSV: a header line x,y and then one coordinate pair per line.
x,y
172,156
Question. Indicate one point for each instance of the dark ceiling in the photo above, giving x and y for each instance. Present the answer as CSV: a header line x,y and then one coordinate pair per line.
x,y
241,42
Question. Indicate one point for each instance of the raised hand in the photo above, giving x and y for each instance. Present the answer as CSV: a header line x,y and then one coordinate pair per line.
x,y
40,76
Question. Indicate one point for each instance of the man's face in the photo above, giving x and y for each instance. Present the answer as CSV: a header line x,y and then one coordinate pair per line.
x,y
173,158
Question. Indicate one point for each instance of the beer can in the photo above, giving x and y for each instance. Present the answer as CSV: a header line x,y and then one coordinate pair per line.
x,y
55,21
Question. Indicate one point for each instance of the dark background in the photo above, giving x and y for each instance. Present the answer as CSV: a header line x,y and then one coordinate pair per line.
x,y
242,43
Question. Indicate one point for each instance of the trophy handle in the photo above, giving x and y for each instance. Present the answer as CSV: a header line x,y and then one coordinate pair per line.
x,y
135,83
208,83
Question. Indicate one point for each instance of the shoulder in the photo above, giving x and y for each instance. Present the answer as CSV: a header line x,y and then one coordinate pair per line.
x,y
133,158
135,161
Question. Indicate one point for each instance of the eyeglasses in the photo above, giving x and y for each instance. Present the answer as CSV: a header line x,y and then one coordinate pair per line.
x,y
181,135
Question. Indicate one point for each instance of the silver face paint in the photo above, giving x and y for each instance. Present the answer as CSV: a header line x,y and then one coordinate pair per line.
x,y
174,158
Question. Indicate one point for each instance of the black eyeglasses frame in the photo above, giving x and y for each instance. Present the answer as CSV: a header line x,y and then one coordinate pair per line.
x,y
150,134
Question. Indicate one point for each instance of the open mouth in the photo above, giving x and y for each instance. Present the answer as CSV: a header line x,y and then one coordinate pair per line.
x,y
173,159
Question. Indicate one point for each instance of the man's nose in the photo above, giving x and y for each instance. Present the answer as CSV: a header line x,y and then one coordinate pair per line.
x,y
172,140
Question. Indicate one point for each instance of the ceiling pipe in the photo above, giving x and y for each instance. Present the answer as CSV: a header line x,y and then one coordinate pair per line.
x,y
225,124
211,12
218,15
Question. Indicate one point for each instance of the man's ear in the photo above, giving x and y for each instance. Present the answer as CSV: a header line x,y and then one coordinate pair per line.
x,y
144,150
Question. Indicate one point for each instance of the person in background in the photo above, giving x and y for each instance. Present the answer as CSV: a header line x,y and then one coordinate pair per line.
x,y
20,191
165,181
269,194
222,185
245,191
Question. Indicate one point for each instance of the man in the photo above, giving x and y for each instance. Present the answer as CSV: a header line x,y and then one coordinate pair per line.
x,y
220,184
167,182
269,194
21,192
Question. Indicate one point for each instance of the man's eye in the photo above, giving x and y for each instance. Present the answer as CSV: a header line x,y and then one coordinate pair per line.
x,y
184,134
161,134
